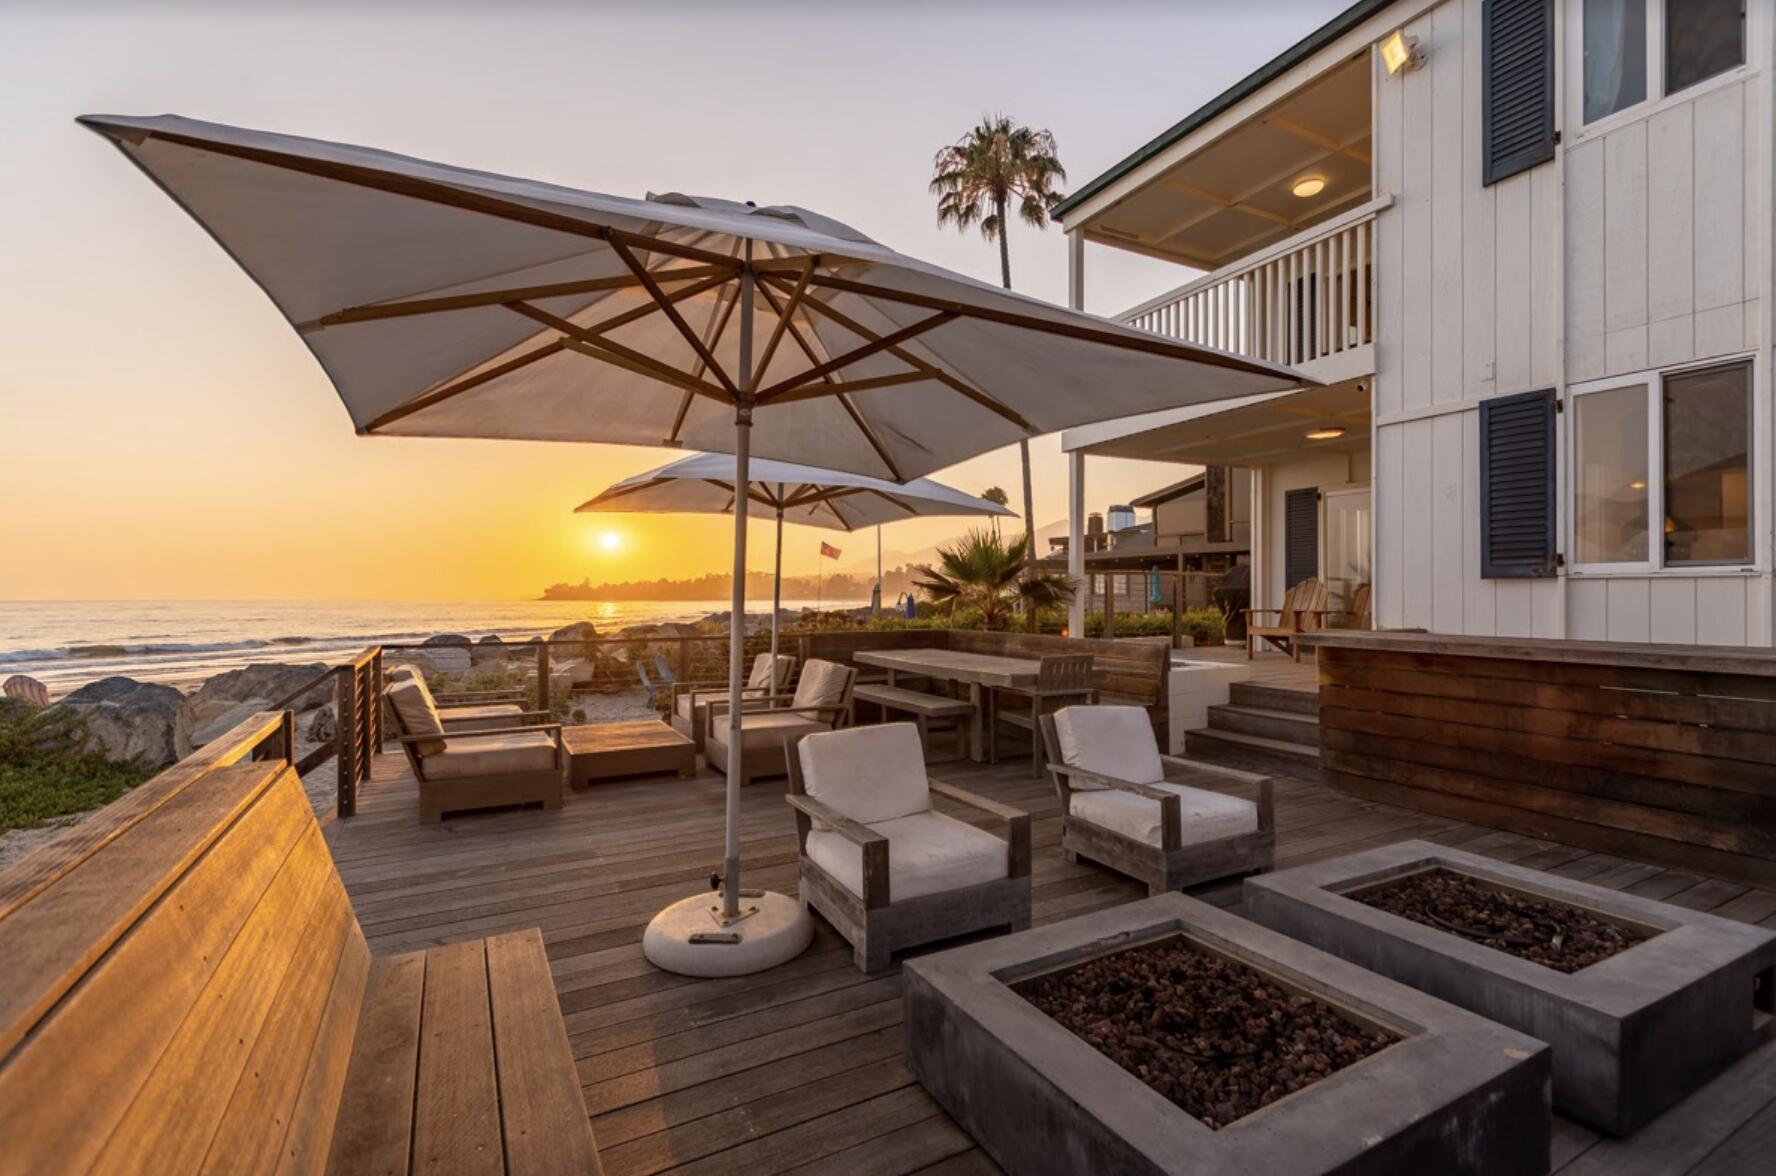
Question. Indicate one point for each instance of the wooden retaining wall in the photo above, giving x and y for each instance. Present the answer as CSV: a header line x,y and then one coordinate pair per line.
x,y
1657,752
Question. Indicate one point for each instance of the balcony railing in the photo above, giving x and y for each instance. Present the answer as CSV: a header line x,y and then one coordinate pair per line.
x,y
1303,299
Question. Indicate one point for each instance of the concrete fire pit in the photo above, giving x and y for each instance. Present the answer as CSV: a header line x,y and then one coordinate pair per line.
x,y
1632,1034
1454,1094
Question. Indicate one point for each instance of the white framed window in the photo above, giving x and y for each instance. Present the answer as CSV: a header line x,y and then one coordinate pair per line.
x,y
1659,475
1624,52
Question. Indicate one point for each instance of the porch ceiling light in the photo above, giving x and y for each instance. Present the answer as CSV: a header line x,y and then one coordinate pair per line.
x,y
1308,186
1400,53
1325,433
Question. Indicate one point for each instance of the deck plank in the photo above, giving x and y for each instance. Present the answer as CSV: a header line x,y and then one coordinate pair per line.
x,y
803,1068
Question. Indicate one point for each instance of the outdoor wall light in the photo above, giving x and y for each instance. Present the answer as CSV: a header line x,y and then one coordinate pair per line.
x,y
1308,186
1325,433
1401,53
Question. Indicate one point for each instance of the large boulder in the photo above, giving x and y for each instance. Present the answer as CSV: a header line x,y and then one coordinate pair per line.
x,y
265,683
129,720
574,640
220,717
490,648
447,639
27,689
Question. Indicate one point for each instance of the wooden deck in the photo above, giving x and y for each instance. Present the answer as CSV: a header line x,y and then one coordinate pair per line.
x,y
1267,669
802,1068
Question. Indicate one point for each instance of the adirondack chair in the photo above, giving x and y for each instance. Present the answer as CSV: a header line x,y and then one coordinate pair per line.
x,y
660,685
1304,609
1360,614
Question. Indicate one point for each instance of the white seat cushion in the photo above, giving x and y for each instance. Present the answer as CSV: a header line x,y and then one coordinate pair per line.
x,y
766,731
928,853
486,755
760,678
822,684
1206,816
1114,741
487,717
416,712
869,774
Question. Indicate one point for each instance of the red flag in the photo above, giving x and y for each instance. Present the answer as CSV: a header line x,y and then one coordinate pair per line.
x,y
829,551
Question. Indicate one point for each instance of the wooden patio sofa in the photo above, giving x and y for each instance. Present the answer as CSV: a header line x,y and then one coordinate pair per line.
x,y
477,769
884,867
1153,817
475,710
188,989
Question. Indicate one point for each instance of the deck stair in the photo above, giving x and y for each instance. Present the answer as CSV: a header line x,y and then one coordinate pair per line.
x,y
1268,725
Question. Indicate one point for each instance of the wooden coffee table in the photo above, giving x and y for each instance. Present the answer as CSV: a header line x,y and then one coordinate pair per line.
x,y
605,751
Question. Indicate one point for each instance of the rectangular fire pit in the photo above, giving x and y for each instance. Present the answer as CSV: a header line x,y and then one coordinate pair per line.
x,y
1632,1033
1440,1089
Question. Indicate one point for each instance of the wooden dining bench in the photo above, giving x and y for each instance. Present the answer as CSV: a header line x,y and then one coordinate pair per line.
x,y
187,989
924,708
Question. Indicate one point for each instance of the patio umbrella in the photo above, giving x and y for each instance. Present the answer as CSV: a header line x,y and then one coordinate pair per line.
x,y
449,302
704,484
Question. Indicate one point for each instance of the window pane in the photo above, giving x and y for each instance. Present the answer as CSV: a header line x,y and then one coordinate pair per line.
x,y
1702,38
1615,55
1707,466
1610,478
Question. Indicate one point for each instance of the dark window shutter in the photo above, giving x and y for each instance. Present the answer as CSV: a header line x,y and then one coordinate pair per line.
x,y
1301,536
1517,486
1517,86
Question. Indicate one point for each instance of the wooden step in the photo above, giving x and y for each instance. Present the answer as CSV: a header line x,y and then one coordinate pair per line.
x,y
1286,726
1254,751
1276,698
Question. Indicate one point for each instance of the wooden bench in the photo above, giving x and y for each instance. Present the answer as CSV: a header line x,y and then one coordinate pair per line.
x,y
188,990
923,707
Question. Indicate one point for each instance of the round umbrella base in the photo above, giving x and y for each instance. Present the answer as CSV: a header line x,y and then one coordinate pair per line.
x,y
686,937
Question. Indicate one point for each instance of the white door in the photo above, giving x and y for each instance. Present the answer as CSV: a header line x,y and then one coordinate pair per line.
x,y
1346,548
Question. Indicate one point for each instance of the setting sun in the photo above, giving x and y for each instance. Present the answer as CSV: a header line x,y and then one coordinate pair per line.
x,y
610,540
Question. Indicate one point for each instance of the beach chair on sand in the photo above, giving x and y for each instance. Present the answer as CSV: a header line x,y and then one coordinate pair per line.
x,y
1120,809
485,768
884,867
660,685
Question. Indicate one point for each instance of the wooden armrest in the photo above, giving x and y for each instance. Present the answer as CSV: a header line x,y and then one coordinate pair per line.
x,y
464,697
976,801
1250,611
853,831
1234,774
544,728
523,714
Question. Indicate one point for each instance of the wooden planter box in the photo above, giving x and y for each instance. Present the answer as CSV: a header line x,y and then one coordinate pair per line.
x,y
1632,1034
1456,1094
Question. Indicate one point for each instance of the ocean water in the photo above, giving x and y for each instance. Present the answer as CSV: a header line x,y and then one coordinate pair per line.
x,y
67,644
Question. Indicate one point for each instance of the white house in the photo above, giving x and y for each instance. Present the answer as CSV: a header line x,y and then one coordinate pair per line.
x,y
1525,247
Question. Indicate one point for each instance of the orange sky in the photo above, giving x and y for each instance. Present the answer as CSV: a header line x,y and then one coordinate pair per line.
x,y
163,433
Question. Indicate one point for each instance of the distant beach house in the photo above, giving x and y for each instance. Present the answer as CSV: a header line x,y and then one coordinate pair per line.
x,y
1525,248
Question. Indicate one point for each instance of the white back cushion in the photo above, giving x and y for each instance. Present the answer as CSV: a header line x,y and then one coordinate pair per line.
x,y
1114,741
760,677
417,712
869,774
822,684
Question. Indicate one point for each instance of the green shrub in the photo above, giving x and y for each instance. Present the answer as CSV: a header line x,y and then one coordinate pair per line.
x,y
46,771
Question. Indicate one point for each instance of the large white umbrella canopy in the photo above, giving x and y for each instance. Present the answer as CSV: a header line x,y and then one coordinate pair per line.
x,y
833,499
444,301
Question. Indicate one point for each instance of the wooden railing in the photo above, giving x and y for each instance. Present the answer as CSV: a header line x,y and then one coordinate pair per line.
x,y
357,736
1306,298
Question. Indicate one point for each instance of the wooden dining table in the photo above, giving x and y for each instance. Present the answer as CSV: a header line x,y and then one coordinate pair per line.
x,y
980,672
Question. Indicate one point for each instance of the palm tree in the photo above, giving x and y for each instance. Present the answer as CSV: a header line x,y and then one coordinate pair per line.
x,y
979,570
998,497
976,180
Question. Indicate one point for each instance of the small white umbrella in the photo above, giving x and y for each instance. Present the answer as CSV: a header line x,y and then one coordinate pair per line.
x,y
449,302
837,501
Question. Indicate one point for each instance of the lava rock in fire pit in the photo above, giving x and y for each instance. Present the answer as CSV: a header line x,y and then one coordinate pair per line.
x,y
1212,1035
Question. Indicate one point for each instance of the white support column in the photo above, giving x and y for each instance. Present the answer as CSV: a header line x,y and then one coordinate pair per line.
x,y
1076,542
1259,538
1076,461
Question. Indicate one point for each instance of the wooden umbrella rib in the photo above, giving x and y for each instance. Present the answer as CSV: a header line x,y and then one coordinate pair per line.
x,y
374,311
954,383
438,395
858,354
901,503
584,341
435,192
1150,345
869,434
783,317
847,387
678,319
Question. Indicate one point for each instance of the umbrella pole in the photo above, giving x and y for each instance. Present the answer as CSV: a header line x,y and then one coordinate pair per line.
x,y
776,594
737,621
